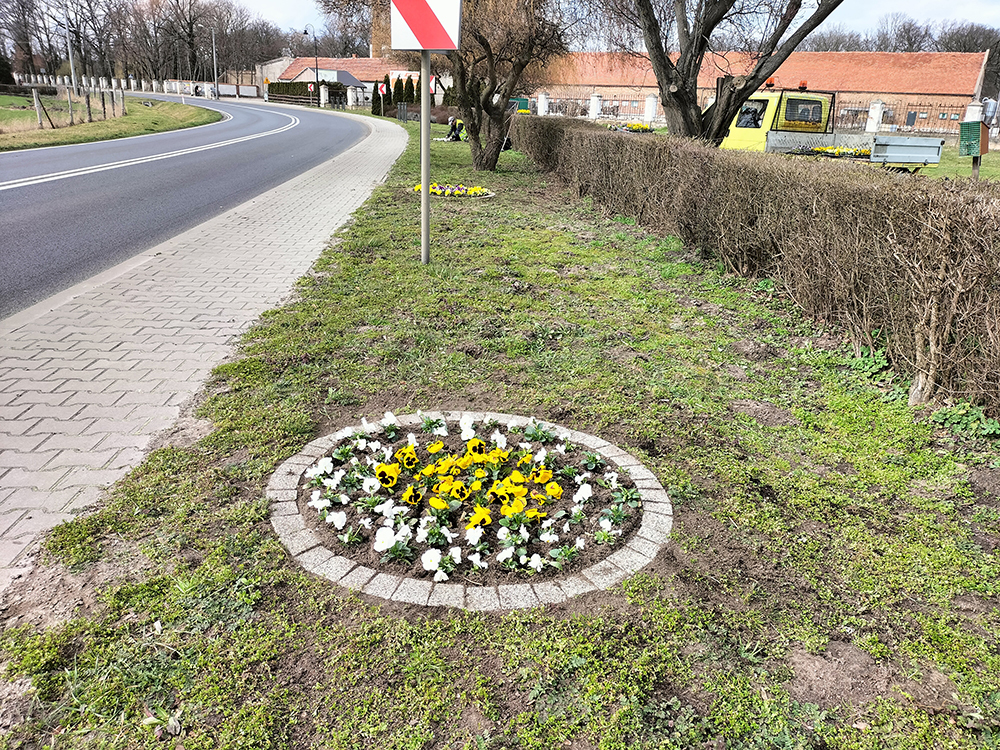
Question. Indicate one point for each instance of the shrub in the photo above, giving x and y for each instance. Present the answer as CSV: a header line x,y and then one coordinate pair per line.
x,y
408,95
397,91
869,249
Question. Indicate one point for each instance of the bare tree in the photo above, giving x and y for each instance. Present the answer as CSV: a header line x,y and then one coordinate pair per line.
x,y
501,39
953,36
898,32
767,32
834,38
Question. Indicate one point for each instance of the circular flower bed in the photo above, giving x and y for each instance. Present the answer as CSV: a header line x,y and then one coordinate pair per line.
x,y
483,501
456,191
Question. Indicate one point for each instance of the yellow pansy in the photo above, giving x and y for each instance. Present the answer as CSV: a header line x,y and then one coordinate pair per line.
x,y
459,491
553,490
476,447
541,475
516,476
435,446
437,502
476,486
497,493
408,457
514,506
445,484
535,513
412,495
480,515
480,473
387,474
465,461
445,464
525,459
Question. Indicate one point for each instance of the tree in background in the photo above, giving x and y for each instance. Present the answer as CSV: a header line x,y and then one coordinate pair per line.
x,y
501,39
6,73
416,93
763,33
408,95
397,91
387,99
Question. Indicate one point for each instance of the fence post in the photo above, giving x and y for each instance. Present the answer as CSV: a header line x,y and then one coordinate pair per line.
x,y
650,113
543,104
38,107
324,96
86,98
595,106
874,116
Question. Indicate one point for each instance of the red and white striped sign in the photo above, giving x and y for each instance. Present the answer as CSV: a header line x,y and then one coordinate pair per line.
x,y
381,89
426,24
433,83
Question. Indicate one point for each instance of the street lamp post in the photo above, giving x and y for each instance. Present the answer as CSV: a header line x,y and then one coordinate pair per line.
x,y
315,55
215,63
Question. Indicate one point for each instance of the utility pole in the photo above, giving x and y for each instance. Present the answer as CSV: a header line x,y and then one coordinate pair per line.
x,y
69,49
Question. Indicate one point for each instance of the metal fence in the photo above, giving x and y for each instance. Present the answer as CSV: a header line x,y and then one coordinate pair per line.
x,y
901,115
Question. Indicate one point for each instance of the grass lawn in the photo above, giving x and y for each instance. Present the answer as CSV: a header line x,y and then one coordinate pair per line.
x,y
952,165
832,580
19,126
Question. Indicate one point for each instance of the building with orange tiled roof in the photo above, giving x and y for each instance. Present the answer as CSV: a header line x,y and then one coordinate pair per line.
x,y
919,90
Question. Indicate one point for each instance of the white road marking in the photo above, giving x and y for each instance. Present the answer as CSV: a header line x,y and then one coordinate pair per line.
x,y
52,177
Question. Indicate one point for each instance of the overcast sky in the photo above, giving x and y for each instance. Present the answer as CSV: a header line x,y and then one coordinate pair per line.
x,y
859,15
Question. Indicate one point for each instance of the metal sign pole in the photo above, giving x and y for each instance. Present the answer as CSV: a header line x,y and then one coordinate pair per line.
x,y
425,156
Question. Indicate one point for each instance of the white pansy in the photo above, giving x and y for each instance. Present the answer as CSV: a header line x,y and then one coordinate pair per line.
x,y
536,562
411,439
505,554
360,444
354,461
370,462
524,446
404,534
440,576
365,426
502,533
611,477
421,536
456,554
499,439
371,485
549,537
334,481
387,454
561,448
319,503
374,446
448,533
566,528
548,524
385,509
385,537
344,499
442,431
321,467
581,478
473,535
606,524
431,559
525,534
583,493
465,424
366,522
338,519
540,456
389,419
477,561
579,542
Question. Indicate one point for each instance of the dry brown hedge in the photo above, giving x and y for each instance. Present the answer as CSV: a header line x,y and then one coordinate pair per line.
x,y
905,262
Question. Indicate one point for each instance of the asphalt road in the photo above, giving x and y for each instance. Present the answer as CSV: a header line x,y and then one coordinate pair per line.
x,y
70,212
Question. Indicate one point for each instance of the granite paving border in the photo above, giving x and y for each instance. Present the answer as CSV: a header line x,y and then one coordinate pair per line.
x,y
308,551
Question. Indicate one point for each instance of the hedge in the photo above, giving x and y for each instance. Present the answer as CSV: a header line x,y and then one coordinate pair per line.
x,y
301,88
903,262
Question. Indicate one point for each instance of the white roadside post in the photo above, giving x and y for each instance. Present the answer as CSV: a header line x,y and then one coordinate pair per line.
x,y
416,25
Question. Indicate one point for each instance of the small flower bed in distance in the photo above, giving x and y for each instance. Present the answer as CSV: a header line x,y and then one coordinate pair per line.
x,y
456,191
481,502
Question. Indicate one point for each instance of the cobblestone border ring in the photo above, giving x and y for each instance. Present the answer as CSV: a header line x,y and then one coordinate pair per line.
x,y
307,549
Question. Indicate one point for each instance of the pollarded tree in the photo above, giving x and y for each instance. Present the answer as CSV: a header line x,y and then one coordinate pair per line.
x,y
408,94
763,32
501,40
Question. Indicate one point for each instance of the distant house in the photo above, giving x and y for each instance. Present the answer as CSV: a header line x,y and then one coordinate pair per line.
x,y
368,71
919,90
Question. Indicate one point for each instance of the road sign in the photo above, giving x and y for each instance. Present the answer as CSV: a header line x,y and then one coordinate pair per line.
x,y
382,89
267,80
433,83
426,24
311,88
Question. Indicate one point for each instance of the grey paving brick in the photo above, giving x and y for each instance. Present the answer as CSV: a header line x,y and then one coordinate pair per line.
x,y
31,461
604,574
575,585
284,509
300,541
382,585
644,546
447,595
285,526
83,477
656,523
629,560
548,592
314,558
657,537
357,578
482,598
517,596
335,568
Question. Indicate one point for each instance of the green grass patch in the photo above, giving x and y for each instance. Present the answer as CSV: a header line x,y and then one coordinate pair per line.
x,y
824,532
18,126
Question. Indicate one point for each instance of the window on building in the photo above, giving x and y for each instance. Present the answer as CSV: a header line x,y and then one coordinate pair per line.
x,y
923,115
954,115
943,116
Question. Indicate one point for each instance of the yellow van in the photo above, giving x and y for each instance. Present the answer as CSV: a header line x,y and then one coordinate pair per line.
x,y
790,111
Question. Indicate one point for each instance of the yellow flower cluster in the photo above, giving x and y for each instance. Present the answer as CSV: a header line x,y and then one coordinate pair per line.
x,y
474,475
638,127
455,191
842,151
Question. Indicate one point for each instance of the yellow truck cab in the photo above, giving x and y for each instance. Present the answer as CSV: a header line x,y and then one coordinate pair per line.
x,y
789,111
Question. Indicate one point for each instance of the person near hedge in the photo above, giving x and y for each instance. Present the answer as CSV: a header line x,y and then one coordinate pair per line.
x,y
455,133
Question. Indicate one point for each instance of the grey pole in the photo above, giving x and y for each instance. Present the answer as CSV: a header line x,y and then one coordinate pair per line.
x,y
215,66
425,156
69,49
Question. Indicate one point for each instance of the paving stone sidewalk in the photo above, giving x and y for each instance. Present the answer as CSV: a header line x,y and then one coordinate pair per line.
x,y
88,377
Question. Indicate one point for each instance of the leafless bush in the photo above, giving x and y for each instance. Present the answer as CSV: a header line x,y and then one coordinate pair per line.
x,y
908,263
